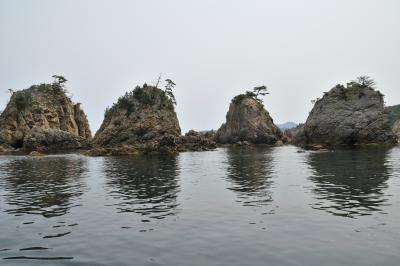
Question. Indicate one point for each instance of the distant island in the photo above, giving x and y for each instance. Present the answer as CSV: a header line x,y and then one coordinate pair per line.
x,y
43,119
287,125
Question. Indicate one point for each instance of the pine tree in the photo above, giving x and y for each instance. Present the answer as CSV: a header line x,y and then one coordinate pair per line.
x,y
168,90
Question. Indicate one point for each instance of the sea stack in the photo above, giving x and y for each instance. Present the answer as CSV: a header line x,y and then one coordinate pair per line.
x,y
142,121
43,118
348,115
247,121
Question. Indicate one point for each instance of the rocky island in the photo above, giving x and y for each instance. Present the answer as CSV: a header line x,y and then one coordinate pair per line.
x,y
247,121
144,121
347,115
43,118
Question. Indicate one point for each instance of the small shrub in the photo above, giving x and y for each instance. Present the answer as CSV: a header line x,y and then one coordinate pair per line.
x,y
22,100
142,96
251,94
126,103
394,113
239,98
42,87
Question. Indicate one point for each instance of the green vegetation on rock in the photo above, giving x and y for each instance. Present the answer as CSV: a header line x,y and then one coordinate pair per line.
x,y
22,100
47,109
141,96
394,113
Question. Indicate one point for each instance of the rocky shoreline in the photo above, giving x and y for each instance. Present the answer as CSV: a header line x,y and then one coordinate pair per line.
x,y
43,119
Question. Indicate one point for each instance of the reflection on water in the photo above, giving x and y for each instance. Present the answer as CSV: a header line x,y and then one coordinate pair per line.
x,y
45,186
249,171
350,183
147,185
118,196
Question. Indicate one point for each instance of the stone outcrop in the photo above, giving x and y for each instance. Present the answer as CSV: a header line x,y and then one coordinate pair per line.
x,y
5,148
44,117
196,141
351,115
50,140
396,129
143,121
247,120
394,119
292,135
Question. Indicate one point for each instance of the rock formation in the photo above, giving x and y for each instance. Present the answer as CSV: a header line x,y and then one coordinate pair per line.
x,y
50,140
247,120
291,135
394,119
196,141
396,129
351,115
43,117
143,121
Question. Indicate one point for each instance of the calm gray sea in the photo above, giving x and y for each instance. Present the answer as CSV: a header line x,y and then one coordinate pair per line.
x,y
232,206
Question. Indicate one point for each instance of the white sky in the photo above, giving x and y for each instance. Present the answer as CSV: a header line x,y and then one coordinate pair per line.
x,y
213,50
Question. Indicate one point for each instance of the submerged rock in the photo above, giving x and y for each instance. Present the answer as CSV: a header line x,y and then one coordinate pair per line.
x,y
247,120
352,115
35,154
112,151
40,112
142,121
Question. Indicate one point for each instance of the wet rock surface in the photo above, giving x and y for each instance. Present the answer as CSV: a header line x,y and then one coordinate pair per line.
x,y
51,140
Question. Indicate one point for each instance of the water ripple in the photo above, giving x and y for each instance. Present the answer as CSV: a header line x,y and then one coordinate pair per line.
x,y
145,185
350,183
48,187
250,175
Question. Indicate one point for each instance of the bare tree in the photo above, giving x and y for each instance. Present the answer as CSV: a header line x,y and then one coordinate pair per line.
x,y
158,80
365,81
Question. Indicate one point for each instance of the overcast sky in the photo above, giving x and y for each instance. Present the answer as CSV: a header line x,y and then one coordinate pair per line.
x,y
213,50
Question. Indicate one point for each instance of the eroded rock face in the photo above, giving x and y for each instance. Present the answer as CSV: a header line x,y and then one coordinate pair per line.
x,y
143,115
247,120
50,140
352,115
144,121
44,107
